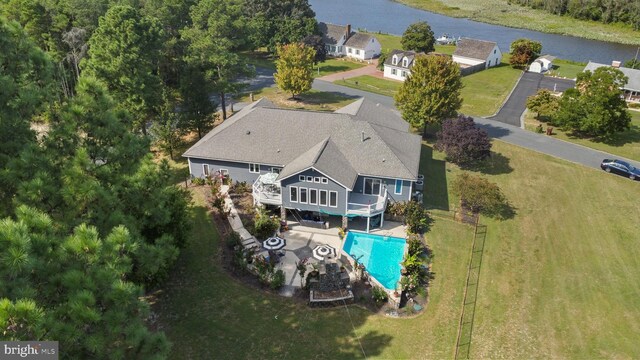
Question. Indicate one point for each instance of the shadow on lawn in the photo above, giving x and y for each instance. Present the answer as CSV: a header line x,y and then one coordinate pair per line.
x,y
202,308
632,135
494,165
334,68
436,192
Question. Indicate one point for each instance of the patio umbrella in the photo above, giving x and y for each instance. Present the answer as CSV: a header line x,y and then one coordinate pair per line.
x,y
322,251
274,243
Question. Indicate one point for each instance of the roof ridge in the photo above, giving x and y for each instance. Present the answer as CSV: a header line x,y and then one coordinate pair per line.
x,y
324,146
387,145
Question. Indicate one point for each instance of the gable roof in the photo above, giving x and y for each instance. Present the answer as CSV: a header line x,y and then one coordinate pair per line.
x,y
474,49
401,54
285,137
547,57
366,110
331,33
633,75
358,40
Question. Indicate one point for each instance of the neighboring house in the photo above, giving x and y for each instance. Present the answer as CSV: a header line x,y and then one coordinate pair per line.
x,y
398,64
341,41
542,64
348,163
631,88
473,52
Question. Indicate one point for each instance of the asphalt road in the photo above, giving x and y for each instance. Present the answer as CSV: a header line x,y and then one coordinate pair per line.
x,y
505,132
528,85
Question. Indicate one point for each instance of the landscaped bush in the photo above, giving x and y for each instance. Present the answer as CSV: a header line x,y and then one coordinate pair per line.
x,y
197,181
277,280
379,295
415,244
267,274
462,141
265,225
416,217
396,208
233,239
480,195
240,187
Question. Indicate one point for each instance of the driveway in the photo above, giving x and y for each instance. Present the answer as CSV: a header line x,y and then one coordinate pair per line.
x,y
529,83
365,70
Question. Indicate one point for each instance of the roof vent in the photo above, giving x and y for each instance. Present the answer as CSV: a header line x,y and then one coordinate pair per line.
x,y
377,104
362,136
383,159
248,132
278,150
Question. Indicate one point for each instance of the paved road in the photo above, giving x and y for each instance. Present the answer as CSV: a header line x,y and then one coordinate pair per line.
x,y
505,132
528,85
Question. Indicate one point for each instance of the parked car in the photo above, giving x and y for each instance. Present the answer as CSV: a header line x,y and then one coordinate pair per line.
x,y
621,168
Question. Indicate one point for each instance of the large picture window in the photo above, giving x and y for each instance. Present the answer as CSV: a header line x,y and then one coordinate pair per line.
x,y
333,198
323,197
372,186
313,196
293,194
303,195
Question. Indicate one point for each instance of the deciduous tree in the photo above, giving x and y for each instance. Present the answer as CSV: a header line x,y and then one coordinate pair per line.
x,y
294,68
543,103
523,52
431,93
418,37
462,141
316,43
479,194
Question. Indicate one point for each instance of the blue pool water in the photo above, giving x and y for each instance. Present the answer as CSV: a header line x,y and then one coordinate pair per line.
x,y
381,255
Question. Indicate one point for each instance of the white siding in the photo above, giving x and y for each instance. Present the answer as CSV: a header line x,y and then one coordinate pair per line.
x,y
388,73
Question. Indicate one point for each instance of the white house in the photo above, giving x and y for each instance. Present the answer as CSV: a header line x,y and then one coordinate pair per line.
x,y
472,52
341,41
398,63
542,64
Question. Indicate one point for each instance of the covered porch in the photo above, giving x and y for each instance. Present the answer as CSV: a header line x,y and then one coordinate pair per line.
x,y
266,190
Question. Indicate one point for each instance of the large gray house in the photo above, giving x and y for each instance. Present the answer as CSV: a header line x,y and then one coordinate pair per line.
x,y
349,163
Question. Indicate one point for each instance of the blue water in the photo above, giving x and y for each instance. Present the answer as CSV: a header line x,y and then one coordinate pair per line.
x,y
381,255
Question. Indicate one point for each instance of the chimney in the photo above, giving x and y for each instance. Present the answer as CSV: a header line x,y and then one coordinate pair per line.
x,y
616,64
362,137
348,32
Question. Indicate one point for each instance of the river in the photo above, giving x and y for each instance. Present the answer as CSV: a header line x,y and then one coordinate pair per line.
x,y
391,17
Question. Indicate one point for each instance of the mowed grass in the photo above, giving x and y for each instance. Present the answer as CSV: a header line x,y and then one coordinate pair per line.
x,y
206,313
566,68
485,91
331,66
625,144
501,12
372,84
390,42
311,100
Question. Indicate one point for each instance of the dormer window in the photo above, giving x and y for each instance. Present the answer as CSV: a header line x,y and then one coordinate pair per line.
x,y
394,61
405,62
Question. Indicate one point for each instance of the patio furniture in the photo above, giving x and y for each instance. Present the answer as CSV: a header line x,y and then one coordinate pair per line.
x,y
274,243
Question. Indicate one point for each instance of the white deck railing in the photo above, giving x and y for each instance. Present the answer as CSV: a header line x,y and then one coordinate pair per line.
x,y
368,209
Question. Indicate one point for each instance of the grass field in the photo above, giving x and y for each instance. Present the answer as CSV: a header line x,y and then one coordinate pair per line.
x,y
501,12
331,66
626,144
390,42
372,84
559,280
567,68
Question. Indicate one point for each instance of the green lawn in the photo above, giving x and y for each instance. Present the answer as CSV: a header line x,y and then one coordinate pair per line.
x,y
331,66
626,144
390,42
485,91
559,280
566,68
311,100
502,12
372,84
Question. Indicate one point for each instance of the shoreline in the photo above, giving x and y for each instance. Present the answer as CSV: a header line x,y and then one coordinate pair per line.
x,y
520,17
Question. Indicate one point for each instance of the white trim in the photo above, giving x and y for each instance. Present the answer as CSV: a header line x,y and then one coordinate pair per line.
x,y
301,178
311,167
395,187
297,194
326,197
335,192
364,183
221,170
309,178
316,191
306,201
227,160
208,172
251,166
189,161
276,168
316,179
324,180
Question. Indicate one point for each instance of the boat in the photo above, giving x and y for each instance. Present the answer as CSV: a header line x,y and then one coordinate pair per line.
x,y
446,39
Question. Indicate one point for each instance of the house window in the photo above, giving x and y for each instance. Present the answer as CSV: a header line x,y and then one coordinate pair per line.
x,y
316,179
254,168
293,194
372,186
224,172
405,62
357,52
323,197
349,50
205,169
394,61
309,178
494,51
398,189
394,72
333,198
324,180
301,178
303,195
489,62
275,170
313,196
404,73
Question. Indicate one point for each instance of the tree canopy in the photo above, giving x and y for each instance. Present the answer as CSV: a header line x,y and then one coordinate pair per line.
x,y
523,52
294,68
479,195
462,141
543,103
431,93
418,37
596,107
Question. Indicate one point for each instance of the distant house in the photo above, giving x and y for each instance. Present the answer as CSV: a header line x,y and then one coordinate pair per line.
x,y
341,41
631,88
398,64
348,163
542,64
473,52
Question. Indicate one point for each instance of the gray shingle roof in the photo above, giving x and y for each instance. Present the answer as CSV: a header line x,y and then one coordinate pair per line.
x,y
633,75
474,49
401,54
358,40
331,33
279,136
367,110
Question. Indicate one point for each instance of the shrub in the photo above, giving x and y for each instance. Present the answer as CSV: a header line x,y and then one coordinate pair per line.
x,y
479,194
415,244
233,239
416,217
462,141
265,225
396,208
379,295
410,282
277,280
197,181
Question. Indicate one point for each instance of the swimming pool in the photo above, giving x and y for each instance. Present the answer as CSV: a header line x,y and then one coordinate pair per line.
x,y
381,255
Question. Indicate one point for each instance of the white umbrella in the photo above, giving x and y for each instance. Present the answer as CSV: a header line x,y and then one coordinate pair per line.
x,y
322,251
274,243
